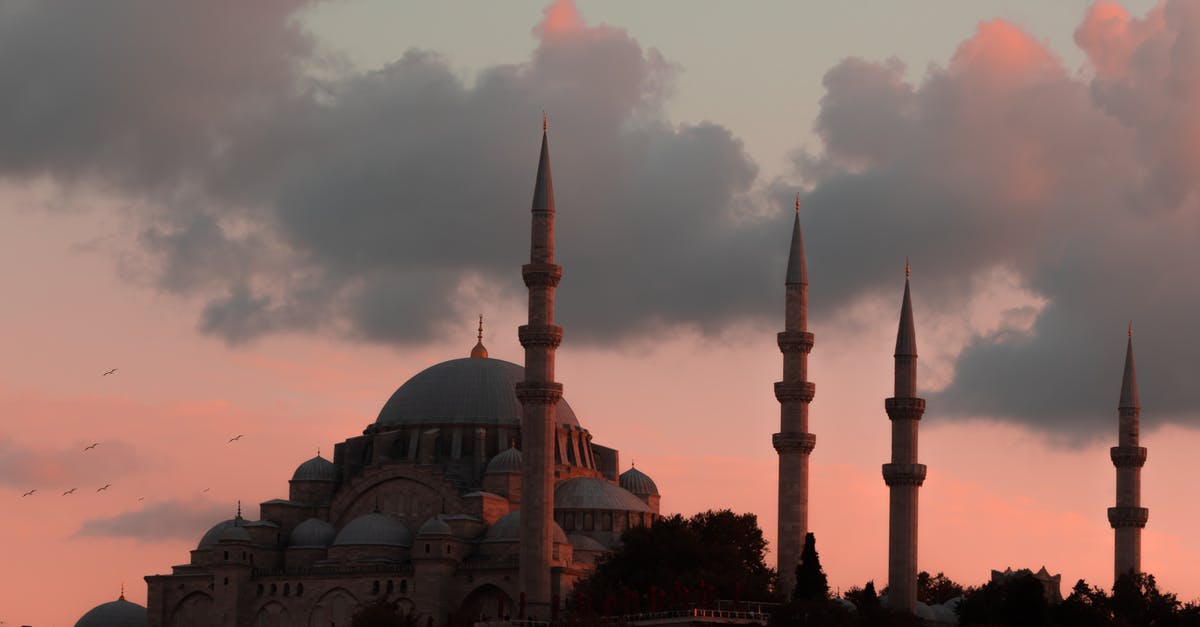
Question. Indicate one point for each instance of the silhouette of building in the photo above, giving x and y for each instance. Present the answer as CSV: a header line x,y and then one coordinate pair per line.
x,y
903,474
475,493
1051,584
1128,517
119,613
794,392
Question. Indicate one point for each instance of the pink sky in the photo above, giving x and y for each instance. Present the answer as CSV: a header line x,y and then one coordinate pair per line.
x,y
694,410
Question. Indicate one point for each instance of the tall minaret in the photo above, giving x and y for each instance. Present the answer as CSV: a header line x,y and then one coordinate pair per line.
x,y
794,442
1128,517
539,395
904,475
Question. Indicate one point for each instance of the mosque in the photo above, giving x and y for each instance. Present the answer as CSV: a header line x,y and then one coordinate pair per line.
x,y
477,493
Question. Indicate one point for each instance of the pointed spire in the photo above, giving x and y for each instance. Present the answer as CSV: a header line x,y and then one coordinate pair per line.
x,y
797,272
479,352
1129,391
543,191
122,597
906,336
239,510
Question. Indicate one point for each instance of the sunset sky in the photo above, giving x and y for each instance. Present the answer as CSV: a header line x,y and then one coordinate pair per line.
x,y
267,216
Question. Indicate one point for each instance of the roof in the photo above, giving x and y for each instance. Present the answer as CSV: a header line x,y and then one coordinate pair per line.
x,y
463,391
312,533
638,482
316,469
210,537
119,613
589,493
508,529
586,543
434,527
506,461
375,528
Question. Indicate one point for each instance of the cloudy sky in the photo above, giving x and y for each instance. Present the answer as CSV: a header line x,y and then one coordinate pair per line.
x,y
269,216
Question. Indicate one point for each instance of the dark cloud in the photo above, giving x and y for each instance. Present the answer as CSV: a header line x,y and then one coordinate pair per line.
x,y
26,467
1085,187
158,522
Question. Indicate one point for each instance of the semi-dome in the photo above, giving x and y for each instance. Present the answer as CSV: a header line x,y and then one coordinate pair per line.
x,y
119,613
638,482
586,543
213,535
434,527
463,391
312,533
316,469
507,461
375,528
589,493
508,529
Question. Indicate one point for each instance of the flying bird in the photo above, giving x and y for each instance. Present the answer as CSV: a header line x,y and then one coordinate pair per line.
x,y
235,438
205,490
106,486
141,498
71,491
91,446
29,493
113,371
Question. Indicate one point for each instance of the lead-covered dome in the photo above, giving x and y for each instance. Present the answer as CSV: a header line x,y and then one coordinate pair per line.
x,y
316,469
638,482
213,535
312,533
507,528
507,461
375,528
463,391
589,493
119,613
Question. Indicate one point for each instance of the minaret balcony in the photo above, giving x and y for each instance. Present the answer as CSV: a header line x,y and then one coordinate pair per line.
x,y
802,391
904,474
539,392
795,342
1128,456
904,408
540,335
789,442
541,274
1126,517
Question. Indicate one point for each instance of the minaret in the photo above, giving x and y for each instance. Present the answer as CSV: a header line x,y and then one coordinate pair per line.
x,y
793,442
1128,517
539,395
904,475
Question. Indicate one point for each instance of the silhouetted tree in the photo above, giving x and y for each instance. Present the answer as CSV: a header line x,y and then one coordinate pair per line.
x,y
811,582
936,589
1016,601
712,555
1084,607
864,598
1136,601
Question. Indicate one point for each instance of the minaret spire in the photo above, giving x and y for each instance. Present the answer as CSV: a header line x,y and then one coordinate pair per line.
x,y
793,443
539,395
1128,517
903,475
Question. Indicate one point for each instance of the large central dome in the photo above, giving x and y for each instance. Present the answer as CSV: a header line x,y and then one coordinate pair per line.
x,y
463,391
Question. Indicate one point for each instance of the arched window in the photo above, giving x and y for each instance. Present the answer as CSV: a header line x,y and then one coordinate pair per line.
x,y
300,589
389,586
426,548
447,549
375,587
287,589
226,554
274,589
403,586
260,589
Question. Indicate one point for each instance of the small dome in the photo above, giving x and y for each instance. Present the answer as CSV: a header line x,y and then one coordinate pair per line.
x,y
463,391
589,493
507,461
508,529
312,533
316,469
213,535
119,613
375,528
586,543
234,533
638,482
924,612
434,527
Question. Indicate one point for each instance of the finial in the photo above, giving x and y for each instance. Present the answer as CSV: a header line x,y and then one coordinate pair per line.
x,y
797,203
318,451
122,597
632,463
907,269
480,336
239,511
1131,328
545,121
